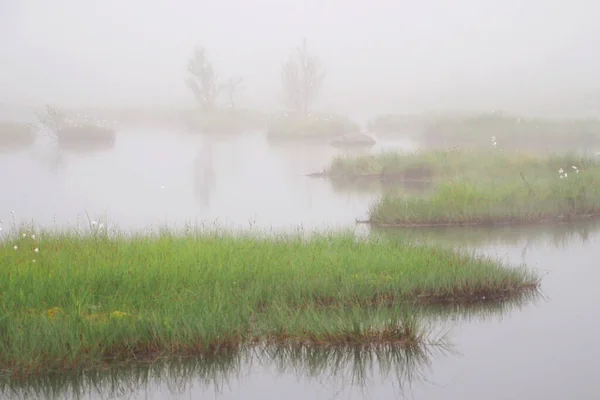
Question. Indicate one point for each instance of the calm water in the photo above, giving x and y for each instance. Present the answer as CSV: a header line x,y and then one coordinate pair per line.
x,y
540,350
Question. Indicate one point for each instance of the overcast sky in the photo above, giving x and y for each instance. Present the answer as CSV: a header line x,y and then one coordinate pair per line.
x,y
383,54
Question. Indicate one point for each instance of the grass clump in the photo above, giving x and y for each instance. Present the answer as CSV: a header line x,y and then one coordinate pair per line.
x,y
446,164
565,196
224,121
299,126
79,133
476,129
72,301
14,134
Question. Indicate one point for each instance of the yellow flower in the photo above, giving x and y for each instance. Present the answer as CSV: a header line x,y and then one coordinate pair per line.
x,y
119,314
53,312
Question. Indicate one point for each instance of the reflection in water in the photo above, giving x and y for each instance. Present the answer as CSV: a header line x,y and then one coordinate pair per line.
x,y
204,173
559,235
480,311
345,368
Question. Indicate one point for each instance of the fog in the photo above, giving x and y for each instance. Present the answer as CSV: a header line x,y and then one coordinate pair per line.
x,y
536,56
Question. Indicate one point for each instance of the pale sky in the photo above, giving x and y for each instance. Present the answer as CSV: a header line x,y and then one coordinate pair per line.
x,y
377,53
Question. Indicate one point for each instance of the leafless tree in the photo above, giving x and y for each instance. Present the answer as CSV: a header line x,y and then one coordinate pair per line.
x,y
302,78
231,86
204,82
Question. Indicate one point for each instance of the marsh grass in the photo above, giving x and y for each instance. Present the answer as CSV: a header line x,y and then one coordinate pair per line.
x,y
483,164
369,186
477,128
15,135
320,127
531,199
224,121
80,133
83,301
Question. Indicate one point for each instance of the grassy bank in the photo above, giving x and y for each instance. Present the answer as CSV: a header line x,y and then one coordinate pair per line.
x,y
512,131
572,194
81,301
483,164
15,135
224,121
311,127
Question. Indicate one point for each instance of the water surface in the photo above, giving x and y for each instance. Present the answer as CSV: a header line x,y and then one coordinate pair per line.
x,y
546,349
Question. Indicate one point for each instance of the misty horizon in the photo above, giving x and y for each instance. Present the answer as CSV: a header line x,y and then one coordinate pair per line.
x,y
379,57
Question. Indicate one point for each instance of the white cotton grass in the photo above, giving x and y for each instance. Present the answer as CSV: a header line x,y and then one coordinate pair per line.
x,y
562,174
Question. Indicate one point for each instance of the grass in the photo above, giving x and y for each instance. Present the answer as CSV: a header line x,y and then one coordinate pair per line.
x,y
477,129
224,121
524,199
82,301
15,135
292,126
445,164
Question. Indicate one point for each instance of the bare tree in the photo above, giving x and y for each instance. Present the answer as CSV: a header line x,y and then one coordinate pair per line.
x,y
231,87
302,78
204,82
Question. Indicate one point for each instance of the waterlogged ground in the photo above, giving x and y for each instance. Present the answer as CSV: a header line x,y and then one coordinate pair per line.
x,y
544,349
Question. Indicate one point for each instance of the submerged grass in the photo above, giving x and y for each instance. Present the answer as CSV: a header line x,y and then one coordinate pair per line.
x,y
77,301
565,196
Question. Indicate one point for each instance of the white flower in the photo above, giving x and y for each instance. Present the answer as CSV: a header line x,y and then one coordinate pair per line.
x,y
36,250
23,235
94,223
15,247
32,260
574,167
33,237
560,171
100,227
561,177
566,174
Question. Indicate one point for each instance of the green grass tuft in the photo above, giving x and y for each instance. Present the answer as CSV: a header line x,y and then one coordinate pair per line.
x,y
293,126
525,199
82,301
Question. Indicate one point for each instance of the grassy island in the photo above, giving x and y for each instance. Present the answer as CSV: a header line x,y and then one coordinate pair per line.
x,y
296,126
476,129
224,121
483,164
572,194
16,135
82,301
